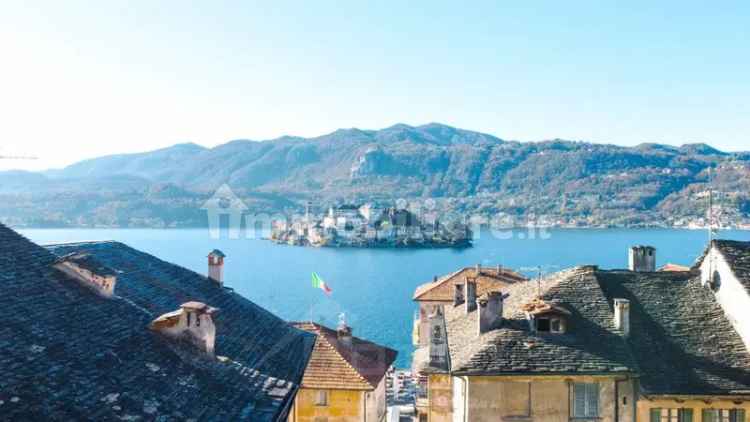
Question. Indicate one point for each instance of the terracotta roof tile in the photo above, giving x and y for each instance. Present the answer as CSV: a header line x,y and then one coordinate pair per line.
x,y
349,365
488,279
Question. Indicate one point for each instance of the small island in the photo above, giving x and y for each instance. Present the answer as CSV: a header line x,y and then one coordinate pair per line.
x,y
367,226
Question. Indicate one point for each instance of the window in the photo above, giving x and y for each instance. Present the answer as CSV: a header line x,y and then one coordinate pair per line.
x,y
550,325
188,318
585,400
543,325
723,415
671,415
321,398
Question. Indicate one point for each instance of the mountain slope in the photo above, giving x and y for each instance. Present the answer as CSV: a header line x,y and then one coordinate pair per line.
x,y
571,181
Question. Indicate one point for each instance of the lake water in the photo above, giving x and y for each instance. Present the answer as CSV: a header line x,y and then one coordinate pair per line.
x,y
373,287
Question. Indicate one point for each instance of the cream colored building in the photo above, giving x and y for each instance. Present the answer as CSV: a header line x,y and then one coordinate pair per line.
x,y
589,345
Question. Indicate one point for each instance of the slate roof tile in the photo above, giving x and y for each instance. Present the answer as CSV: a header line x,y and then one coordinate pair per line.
x,y
69,354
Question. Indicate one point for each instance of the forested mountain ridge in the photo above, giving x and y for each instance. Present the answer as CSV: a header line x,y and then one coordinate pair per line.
x,y
571,183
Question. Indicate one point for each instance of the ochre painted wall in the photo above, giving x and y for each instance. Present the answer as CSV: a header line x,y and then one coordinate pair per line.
x,y
343,406
541,398
646,404
440,398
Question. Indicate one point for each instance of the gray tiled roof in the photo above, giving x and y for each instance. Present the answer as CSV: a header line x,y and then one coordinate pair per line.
x,y
590,346
680,336
69,354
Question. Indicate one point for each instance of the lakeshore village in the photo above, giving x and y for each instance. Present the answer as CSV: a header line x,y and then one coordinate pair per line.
x,y
103,331
368,225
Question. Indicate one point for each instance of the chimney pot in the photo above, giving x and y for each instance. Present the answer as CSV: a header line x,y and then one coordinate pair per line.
x,y
490,313
216,266
193,322
622,316
470,289
642,258
458,294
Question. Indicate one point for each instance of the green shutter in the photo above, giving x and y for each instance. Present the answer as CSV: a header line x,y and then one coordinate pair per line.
x,y
738,415
579,400
592,400
710,415
686,415
655,415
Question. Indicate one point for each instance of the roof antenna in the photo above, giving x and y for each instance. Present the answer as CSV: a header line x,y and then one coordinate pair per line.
x,y
710,206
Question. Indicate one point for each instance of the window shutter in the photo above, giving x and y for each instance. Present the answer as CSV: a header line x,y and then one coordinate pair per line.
x,y
686,415
592,399
579,397
738,415
655,415
709,415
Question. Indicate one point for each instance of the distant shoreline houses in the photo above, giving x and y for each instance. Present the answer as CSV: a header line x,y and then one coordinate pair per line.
x,y
368,226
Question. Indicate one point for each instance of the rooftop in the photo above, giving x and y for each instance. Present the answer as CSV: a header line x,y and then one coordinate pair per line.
x,y
737,254
679,335
488,279
591,345
68,354
352,365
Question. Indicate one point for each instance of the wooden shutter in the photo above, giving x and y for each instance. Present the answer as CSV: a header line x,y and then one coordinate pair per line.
x,y
579,400
592,399
738,415
710,415
655,415
686,415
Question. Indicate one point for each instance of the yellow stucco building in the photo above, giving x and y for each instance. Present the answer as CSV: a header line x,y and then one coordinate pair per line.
x,y
345,378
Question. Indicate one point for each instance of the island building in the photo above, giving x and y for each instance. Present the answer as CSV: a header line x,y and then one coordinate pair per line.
x,y
102,331
587,344
345,379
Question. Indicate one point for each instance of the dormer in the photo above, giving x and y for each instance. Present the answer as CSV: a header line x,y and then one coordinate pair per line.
x,y
546,317
85,269
193,323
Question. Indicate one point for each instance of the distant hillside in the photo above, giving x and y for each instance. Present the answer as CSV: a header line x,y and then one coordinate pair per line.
x,y
577,183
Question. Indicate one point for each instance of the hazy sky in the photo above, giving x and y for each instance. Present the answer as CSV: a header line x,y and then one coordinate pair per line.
x,y
82,79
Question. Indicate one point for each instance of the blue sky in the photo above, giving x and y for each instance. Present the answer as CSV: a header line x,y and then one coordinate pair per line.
x,y
82,79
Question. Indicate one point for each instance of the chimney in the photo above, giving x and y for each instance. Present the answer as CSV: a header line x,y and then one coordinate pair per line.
x,y
478,269
642,259
193,323
622,316
216,266
438,343
434,279
343,331
470,289
490,313
499,269
458,294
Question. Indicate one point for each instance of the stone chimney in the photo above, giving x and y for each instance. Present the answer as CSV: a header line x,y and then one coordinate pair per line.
x,y
642,259
470,289
490,313
438,342
216,266
89,272
622,316
458,294
192,323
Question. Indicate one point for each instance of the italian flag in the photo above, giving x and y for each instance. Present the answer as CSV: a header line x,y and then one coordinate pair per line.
x,y
318,283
